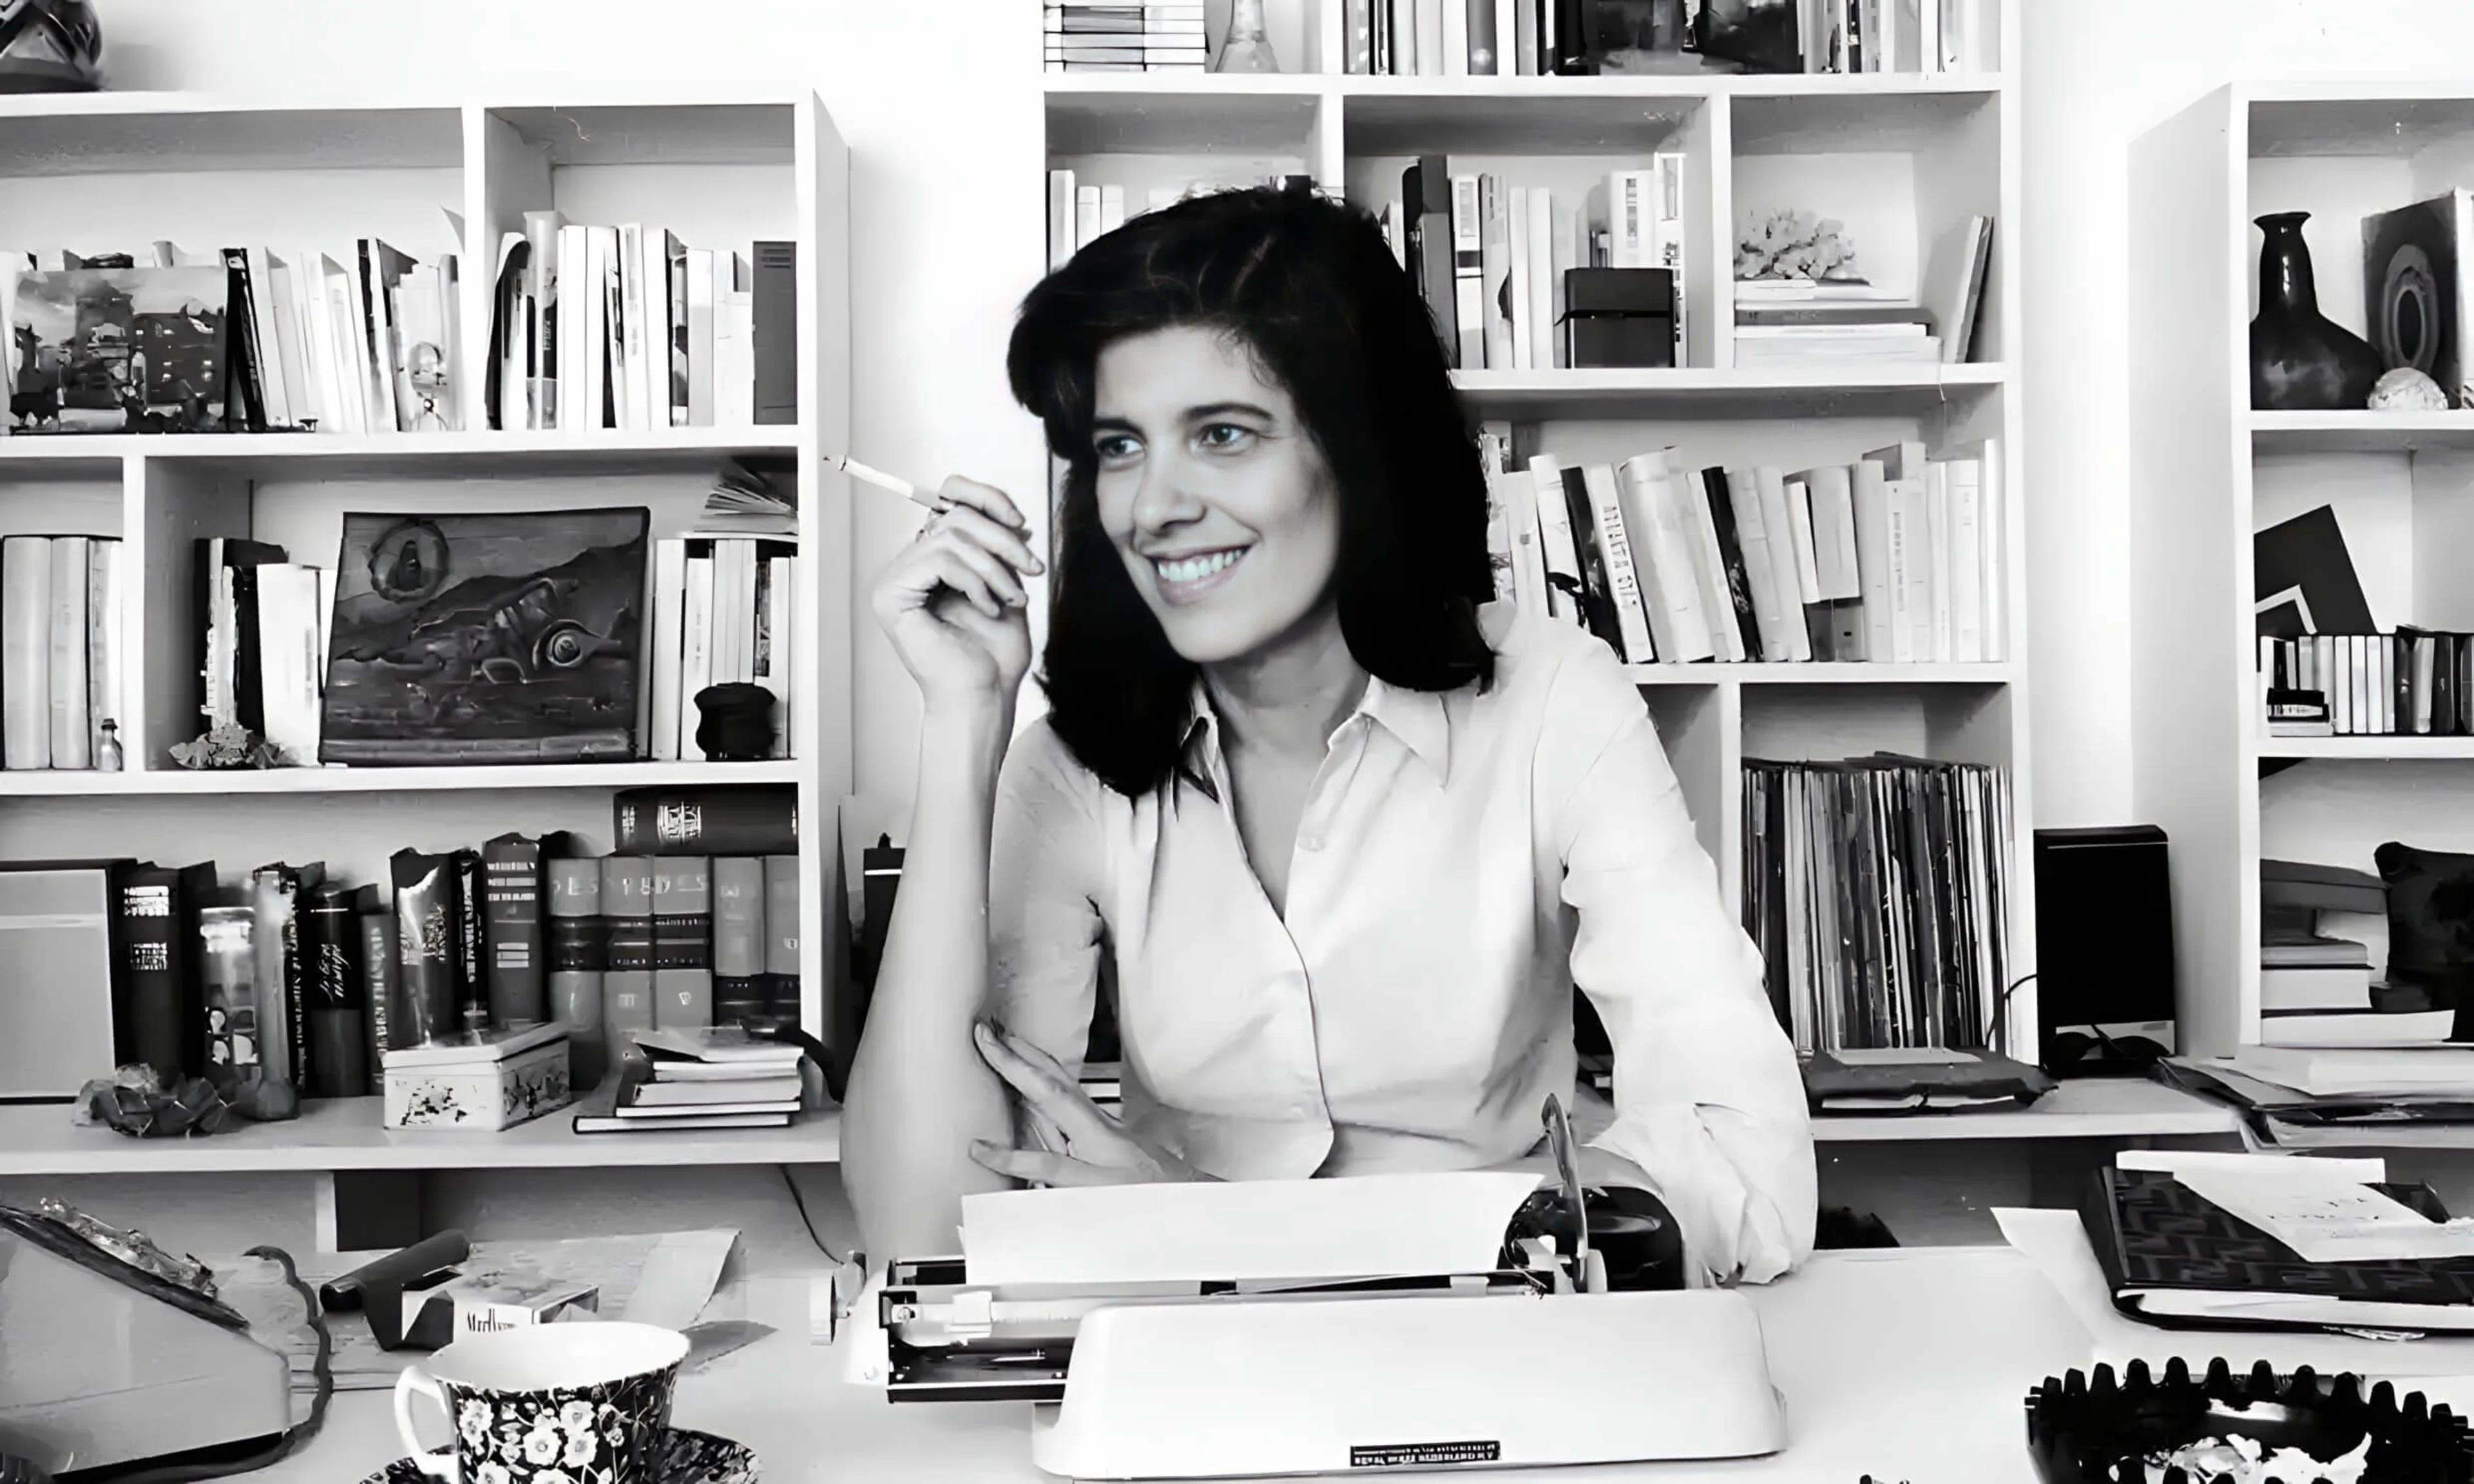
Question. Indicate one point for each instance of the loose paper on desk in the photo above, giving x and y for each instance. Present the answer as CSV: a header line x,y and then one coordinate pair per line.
x,y
2330,1221
1366,1226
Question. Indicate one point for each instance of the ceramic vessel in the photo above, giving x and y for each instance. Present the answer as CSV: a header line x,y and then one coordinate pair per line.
x,y
2300,360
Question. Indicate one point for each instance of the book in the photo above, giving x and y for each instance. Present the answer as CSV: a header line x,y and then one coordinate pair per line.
x,y
2174,1258
380,993
682,941
781,977
1923,1080
737,939
25,651
336,992
576,940
281,982
722,819
627,917
2316,1028
160,1020
514,946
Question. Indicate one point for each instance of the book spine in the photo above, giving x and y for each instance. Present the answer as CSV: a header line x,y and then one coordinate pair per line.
x,y
627,983
104,650
578,948
776,332
156,1028
281,1032
71,744
749,819
471,978
738,940
782,939
511,887
378,970
25,647
228,985
428,939
337,995
682,941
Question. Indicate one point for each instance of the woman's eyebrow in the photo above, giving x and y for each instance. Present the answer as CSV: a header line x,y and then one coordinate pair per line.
x,y
1210,410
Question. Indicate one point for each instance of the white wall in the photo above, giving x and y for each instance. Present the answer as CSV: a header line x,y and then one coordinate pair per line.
x,y
939,102
2098,74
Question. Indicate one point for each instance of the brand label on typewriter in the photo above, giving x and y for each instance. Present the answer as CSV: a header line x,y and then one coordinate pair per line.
x,y
1422,1456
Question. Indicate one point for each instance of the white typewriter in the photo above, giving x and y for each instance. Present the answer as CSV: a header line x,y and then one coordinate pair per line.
x,y
1229,1330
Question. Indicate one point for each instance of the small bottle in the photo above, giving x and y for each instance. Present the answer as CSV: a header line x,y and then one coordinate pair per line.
x,y
106,754
1245,47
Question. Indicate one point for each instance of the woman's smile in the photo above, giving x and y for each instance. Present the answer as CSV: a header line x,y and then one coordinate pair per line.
x,y
1185,577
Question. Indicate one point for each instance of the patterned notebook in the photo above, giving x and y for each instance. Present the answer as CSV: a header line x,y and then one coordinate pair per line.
x,y
2150,1231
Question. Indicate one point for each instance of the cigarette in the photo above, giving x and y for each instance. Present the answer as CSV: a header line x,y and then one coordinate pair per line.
x,y
883,481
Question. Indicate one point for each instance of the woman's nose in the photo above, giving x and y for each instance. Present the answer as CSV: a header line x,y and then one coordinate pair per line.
x,y
1165,497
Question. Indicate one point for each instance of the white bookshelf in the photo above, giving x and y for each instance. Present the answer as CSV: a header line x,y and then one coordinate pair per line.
x,y
1903,159
722,164
2209,471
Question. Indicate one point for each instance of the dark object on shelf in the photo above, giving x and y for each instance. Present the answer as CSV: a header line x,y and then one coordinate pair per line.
x,y
2411,267
503,637
227,747
2083,1429
2431,927
738,724
1840,1229
17,1470
1762,35
714,818
50,46
2302,579
134,1103
1985,1083
1643,37
2096,989
1619,316
2300,360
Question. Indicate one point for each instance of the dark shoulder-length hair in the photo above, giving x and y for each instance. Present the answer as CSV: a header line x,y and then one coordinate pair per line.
x,y
1310,287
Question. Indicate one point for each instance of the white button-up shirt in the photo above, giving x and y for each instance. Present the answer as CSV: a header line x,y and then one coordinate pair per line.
x,y
1464,860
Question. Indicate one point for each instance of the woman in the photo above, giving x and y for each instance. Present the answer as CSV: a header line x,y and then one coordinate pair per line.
x,y
1338,843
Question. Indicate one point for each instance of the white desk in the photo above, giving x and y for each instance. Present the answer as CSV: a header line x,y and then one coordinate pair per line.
x,y
1911,1364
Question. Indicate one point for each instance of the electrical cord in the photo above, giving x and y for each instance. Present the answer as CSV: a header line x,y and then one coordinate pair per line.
x,y
805,1220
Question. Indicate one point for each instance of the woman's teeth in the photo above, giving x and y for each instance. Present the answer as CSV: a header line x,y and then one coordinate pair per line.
x,y
1194,570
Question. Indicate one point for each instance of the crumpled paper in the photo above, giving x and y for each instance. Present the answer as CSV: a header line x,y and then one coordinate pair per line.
x,y
134,1101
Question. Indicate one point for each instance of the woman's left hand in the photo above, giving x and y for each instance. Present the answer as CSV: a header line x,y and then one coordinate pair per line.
x,y
1098,1148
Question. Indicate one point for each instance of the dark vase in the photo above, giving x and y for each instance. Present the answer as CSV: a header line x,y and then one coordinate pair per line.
x,y
2300,360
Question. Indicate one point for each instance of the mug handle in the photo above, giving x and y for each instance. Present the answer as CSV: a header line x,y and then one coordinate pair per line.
x,y
412,1379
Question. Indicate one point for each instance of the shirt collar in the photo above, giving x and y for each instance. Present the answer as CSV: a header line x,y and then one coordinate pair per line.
x,y
1416,718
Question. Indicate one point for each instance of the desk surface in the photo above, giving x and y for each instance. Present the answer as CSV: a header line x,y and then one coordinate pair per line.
x,y
1909,1364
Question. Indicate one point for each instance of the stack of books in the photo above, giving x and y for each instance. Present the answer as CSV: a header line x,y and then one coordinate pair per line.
x,y
1798,321
1125,36
60,651
2315,989
718,1077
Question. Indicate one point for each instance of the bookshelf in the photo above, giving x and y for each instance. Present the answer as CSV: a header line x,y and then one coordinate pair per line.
x,y
721,163
2208,471
1904,157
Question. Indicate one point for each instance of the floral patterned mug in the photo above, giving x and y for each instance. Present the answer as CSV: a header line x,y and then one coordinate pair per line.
x,y
581,1403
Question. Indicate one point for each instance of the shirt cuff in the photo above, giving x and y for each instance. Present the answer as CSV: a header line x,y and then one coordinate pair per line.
x,y
1732,1232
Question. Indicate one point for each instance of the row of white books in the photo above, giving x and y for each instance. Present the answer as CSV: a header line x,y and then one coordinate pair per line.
x,y
1510,248
60,651
1528,37
628,327
1895,557
724,611
1080,211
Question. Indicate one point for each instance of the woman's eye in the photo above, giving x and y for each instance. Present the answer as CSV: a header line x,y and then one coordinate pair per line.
x,y
1227,435
1114,447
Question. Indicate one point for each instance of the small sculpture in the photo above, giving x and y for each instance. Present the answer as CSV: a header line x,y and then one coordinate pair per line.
x,y
50,46
2407,389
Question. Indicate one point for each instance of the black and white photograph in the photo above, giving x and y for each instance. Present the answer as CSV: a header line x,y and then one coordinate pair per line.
x,y
1182,740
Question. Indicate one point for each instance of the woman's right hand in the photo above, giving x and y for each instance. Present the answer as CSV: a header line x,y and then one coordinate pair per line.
x,y
953,601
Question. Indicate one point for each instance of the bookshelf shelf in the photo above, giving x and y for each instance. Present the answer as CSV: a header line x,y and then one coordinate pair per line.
x,y
1701,392
344,1134
69,783
1821,674
2370,748
2209,472
2089,1107
2359,432
336,455
1905,159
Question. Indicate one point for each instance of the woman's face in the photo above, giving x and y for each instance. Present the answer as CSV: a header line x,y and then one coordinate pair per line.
x,y
1211,490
